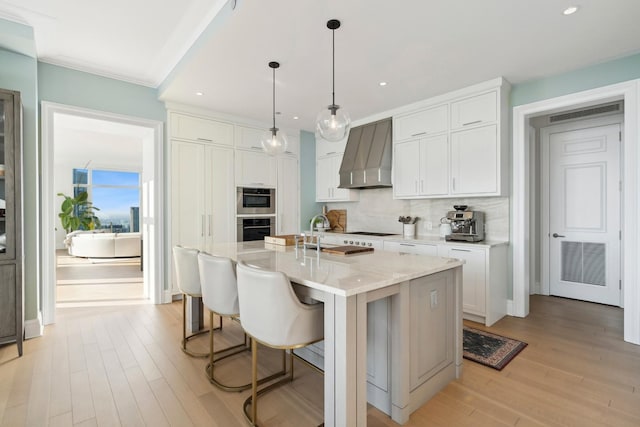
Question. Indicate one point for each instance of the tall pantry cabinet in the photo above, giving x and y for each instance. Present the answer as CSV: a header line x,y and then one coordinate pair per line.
x,y
11,264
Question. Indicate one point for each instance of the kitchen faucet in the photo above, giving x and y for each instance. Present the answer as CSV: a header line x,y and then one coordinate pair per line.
x,y
313,221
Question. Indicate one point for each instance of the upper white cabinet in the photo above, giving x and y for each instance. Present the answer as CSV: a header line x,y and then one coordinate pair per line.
x,y
475,110
425,167
199,129
328,161
422,123
464,157
256,169
249,138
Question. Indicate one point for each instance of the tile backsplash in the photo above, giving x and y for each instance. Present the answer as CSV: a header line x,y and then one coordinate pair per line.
x,y
377,210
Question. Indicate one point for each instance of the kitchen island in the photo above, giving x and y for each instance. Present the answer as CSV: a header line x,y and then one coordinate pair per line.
x,y
423,328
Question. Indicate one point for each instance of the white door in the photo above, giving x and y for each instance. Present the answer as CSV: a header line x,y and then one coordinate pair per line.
x,y
584,214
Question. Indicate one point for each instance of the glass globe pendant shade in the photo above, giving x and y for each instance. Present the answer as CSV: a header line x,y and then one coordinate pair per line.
x,y
333,123
274,142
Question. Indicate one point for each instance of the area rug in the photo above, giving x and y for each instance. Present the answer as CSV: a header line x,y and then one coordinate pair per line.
x,y
490,349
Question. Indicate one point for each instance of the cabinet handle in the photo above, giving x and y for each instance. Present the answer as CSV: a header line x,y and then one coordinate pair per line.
x,y
202,228
419,133
204,139
253,147
210,224
257,183
331,152
454,184
472,123
406,244
461,250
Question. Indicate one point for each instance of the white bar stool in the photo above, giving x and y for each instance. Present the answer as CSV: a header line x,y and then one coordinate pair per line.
x,y
188,280
272,314
220,296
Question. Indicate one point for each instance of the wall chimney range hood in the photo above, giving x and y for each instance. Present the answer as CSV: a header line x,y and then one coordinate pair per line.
x,y
367,157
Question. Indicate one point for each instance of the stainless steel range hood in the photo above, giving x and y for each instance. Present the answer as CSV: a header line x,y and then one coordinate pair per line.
x,y
367,157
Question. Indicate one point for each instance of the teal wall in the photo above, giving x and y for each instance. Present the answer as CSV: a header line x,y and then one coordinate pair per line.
x,y
308,205
607,73
19,72
66,86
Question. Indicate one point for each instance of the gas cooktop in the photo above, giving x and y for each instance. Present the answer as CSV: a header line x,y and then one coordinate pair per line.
x,y
370,233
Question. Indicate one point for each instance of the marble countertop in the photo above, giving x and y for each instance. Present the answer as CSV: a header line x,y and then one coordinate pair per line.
x,y
344,275
425,239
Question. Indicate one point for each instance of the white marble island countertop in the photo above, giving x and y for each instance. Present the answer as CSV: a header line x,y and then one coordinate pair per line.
x,y
343,275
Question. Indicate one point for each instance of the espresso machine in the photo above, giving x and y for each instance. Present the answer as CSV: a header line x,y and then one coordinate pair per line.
x,y
466,225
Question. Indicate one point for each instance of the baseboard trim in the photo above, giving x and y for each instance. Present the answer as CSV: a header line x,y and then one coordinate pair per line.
x,y
33,328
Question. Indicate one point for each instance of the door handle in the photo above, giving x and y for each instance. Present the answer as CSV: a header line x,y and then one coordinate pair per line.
x,y
556,235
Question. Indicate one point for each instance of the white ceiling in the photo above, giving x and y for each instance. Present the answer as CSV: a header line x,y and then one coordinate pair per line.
x,y
420,47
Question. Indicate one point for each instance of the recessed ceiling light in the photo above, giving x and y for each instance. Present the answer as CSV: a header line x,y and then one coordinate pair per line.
x,y
295,117
199,93
570,10
382,83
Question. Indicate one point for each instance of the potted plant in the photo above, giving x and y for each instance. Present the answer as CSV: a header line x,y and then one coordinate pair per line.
x,y
78,213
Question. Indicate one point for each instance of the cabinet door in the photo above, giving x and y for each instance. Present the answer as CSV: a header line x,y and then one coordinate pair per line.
x,y
406,168
249,138
326,148
473,279
411,248
339,194
324,179
188,217
256,169
474,111
293,147
434,166
8,299
199,129
420,123
220,195
287,196
474,161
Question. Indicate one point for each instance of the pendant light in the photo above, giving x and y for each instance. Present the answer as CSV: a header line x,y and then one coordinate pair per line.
x,y
333,123
274,141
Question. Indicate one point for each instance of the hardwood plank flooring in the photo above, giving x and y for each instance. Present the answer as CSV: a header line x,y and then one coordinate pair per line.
x,y
122,365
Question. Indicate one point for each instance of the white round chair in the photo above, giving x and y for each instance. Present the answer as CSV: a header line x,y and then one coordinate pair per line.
x,y
272,315
220,296
188,280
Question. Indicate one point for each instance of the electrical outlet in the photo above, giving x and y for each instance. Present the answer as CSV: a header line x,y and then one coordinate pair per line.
x,y
428,225
434,299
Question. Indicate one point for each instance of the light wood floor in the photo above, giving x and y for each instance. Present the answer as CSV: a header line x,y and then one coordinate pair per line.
x,y
123,366
85,282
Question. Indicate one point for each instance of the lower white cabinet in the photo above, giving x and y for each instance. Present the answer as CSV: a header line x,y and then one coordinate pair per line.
x,y
411,248
484,280
484,275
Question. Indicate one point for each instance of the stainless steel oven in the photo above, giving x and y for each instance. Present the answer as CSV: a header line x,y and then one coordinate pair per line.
x,y
256,228
253,201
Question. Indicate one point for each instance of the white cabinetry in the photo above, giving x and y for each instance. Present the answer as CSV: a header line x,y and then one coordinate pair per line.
x,y
249,138
202,194
411,248
328,178
424,167
255,169
421,123
287,196
466,157
199,129
484,280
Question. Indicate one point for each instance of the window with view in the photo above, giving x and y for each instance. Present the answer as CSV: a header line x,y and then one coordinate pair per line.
x,y
115,193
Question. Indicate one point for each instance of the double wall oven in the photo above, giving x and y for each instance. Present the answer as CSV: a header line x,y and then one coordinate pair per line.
x,y
256,213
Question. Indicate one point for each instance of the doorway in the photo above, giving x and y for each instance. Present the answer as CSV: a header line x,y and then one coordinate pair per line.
x,y
521,201
149,135
581,208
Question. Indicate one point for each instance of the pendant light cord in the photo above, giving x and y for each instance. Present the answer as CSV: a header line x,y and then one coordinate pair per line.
x,y
274,101
333,67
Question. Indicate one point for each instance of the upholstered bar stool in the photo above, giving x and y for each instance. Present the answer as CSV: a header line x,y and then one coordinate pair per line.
x,y
188,279
272,315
